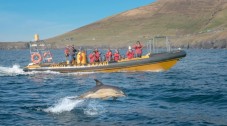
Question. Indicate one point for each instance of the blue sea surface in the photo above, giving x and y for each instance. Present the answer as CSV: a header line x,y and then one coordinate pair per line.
x,y
194,92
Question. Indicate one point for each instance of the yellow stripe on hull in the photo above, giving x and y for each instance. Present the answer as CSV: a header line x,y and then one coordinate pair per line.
x,y
155,67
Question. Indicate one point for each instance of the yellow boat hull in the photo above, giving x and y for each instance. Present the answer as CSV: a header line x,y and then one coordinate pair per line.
x,y
154,67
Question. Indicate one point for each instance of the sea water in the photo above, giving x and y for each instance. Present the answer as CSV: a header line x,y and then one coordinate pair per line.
x,y
194,92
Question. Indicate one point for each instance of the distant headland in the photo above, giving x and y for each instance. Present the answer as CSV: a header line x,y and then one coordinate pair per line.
x,y
188,23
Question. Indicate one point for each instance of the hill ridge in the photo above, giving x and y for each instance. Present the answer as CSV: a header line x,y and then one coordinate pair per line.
x,y
189,23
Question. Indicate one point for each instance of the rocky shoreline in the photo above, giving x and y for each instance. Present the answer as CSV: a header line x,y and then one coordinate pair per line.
x,y
13,45
216,44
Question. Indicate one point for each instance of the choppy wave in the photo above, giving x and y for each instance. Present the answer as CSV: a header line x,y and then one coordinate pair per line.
x,y
93,108
191,93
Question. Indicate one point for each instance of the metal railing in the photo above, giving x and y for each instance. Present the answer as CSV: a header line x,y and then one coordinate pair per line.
x,y
158,44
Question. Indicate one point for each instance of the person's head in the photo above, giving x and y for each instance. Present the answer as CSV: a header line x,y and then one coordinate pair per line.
x,y
138,42
116,51
96,50
130,49
109,49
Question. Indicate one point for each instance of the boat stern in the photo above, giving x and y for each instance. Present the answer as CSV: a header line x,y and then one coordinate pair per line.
x,y
30,67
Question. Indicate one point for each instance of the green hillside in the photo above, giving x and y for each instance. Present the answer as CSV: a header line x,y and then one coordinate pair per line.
x,y
189,23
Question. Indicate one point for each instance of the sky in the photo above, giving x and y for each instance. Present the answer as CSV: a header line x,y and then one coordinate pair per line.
x,y
21,19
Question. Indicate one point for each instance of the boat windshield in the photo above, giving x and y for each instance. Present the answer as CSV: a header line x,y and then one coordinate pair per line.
x,y
41,48
158,44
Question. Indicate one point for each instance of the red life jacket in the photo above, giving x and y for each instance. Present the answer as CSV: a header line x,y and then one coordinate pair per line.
x,y
109,55
130,55
138,48
92,58
116,56
97,56
66,51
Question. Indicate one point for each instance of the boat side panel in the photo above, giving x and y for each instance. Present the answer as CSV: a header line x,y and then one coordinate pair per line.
x,y
154,67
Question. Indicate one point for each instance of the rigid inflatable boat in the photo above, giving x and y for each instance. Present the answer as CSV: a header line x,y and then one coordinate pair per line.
x,y
153,61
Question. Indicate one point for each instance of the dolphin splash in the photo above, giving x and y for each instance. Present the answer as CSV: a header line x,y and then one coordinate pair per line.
x,y
101,91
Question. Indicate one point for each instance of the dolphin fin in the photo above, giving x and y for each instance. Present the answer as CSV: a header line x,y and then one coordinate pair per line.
x,y
98,83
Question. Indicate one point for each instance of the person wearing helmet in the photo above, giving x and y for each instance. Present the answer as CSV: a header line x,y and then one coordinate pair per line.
x,y
130,53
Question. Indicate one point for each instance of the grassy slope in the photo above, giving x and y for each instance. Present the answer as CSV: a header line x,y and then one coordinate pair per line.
x,y
187,21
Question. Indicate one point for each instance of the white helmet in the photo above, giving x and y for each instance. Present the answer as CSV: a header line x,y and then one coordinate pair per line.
x,y
129,47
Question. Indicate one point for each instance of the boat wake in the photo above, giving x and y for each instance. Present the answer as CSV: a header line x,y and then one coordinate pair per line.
x,y
11,71
16,70
67,104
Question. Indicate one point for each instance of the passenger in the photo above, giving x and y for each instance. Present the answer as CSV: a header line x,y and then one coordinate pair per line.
x,y
130,53
72,54
97,55
83,57
66,52
92,57
79,56
138,49
117,55
109,55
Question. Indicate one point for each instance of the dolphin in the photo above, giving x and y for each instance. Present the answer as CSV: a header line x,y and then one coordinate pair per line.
x,y
101,91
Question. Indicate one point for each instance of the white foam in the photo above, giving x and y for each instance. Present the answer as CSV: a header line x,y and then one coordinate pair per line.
x,y
46,72
159,70
17,70
64,104
11,71
67,104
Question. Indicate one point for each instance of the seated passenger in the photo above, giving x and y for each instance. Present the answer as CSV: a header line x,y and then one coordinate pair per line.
x,y
138,49
66,52
72,53
83,57
97,55
117,56
92,57
109,55
79,56
130,53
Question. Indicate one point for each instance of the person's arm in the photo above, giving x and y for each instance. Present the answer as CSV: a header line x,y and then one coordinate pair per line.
x,y
141,46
